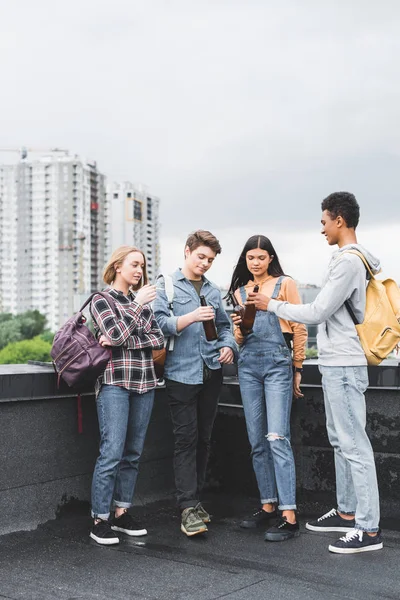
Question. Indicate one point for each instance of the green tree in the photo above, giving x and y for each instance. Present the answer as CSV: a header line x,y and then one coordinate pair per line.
x,y
32,323
312,352
21,352
5,317
10,331
47,336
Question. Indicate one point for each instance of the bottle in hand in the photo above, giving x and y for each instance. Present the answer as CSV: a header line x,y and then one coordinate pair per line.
x,y
238,309
248,316
209,326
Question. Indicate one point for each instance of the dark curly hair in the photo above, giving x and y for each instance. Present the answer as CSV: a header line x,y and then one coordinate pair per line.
x,y
343,204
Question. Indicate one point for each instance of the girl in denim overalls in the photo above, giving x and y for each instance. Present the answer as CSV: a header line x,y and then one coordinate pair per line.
x,y
268,377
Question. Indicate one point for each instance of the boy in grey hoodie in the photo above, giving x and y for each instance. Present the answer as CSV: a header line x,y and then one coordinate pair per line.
x,y
343,367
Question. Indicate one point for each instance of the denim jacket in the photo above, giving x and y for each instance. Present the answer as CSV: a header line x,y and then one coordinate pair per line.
x,y
185,362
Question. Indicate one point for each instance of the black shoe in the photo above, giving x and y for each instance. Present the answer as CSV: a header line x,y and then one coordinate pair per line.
x,y
357,541
125,524
282,531
102,534
331,521
259,518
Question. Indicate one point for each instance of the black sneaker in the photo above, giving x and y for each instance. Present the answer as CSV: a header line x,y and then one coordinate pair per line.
x,y
357,541
125,524
102,534
331,521
282,531
258,519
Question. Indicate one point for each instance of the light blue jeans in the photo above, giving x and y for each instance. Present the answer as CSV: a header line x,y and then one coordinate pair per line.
x,y
356,482
266,387
123,420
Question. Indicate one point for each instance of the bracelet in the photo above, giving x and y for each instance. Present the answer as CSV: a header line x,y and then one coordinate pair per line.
x,y
297,370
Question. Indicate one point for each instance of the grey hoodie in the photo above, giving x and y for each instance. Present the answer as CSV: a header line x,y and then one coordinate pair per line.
x,y
338,343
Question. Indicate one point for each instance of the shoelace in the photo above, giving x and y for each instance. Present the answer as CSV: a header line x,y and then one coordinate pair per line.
x,y
192,516
351,535
283,523
331,513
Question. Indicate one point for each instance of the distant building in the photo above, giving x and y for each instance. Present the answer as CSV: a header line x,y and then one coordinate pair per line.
x,y
133,215
53,234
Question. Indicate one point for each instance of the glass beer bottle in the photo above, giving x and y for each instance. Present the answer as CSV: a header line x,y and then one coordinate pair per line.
x,y
209,326
238,309
246,326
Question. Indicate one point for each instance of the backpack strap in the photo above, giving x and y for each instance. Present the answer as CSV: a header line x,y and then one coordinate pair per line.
x,y
105,295
360,255
170,292
347,303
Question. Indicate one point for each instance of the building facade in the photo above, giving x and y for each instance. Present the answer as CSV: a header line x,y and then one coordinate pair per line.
x,y
133,217
53,235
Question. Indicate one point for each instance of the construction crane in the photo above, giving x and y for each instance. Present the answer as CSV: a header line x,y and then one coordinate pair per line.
x,y
23,151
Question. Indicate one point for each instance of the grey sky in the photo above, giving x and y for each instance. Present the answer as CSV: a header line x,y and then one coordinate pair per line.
x,y
236,113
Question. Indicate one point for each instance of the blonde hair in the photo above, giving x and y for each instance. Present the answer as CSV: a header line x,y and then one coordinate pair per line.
x,y
116,260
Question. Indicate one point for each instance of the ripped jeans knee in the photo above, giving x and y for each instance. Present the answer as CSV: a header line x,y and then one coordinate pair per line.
x,y
273,437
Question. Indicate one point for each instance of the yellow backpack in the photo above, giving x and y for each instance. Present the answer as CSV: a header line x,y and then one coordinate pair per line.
x,y
379,333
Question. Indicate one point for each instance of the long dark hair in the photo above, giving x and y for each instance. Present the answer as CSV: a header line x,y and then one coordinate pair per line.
x,y
241,274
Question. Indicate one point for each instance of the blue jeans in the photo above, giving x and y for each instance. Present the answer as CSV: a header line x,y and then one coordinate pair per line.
x,y
266,388
356,482
123,420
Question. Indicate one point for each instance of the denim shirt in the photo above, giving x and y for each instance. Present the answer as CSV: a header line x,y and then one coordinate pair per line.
x,y
185,362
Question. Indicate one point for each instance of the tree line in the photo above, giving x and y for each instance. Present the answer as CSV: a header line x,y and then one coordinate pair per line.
x,y
24,337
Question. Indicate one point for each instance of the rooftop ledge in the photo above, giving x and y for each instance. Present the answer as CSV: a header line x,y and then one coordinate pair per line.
x,y
36,381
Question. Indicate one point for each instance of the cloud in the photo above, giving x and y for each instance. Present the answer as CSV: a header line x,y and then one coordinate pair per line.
x,y
304,255
237,114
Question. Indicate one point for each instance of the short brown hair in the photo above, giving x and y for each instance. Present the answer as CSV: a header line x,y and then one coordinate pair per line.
x,y
203,238
116,259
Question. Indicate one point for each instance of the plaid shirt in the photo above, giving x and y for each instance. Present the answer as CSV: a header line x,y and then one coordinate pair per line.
x,y
133,333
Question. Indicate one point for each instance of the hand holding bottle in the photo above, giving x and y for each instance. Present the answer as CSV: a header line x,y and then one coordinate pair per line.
x,y
237,319
146,294
203,313
260,301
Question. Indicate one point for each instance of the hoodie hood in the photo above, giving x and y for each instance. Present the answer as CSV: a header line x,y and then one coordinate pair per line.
x,y
373,262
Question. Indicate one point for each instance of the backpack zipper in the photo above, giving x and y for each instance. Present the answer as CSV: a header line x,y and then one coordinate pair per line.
x,y
70,361
64,351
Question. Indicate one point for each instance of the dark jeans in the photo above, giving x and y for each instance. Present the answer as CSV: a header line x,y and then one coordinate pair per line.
x,y
193,410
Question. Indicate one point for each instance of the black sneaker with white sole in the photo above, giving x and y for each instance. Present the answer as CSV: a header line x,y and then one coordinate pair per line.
x,y
331,521
357,541
102,534
282,531
126,524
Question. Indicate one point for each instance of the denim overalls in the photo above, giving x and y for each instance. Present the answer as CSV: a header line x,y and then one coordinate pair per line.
x,y
266,386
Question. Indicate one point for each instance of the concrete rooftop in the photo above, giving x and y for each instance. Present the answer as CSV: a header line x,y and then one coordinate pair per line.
x,y
58,561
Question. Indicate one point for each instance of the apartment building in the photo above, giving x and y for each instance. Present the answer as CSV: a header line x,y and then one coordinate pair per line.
x,y
133,217
53,234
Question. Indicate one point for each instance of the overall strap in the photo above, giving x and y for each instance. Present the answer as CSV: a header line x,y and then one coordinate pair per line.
x,y
243,294
277,287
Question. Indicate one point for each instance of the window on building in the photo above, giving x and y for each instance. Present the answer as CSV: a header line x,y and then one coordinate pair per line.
x,y
137,210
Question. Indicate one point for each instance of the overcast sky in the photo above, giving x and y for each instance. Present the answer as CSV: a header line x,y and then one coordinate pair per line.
x,y
241,115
